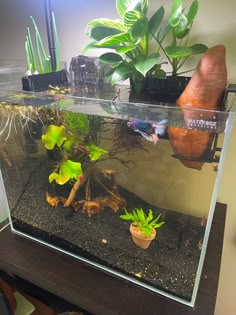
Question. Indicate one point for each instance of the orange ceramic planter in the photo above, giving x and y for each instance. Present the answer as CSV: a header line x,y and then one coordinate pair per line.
x,y
139,238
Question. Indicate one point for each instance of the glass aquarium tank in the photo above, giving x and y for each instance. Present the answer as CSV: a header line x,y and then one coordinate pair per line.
x,y
91,173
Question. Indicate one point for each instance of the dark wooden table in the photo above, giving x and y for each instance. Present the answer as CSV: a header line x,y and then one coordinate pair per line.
x,y
99,292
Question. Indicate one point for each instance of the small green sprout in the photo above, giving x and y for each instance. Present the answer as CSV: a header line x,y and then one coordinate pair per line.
x,y
143,222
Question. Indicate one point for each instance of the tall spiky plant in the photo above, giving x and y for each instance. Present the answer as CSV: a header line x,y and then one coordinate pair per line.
x,y
43,60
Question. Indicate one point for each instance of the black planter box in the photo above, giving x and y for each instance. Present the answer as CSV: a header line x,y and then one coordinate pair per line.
x,y
167,89
41,82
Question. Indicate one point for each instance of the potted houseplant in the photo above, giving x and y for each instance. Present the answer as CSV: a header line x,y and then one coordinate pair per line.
x,y
39,74
137,43
143,228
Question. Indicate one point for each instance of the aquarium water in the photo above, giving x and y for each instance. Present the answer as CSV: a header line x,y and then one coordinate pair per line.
x,y
72,165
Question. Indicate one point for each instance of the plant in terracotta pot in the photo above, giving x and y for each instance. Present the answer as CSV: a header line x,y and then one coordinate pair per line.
x,y
137,42
143,228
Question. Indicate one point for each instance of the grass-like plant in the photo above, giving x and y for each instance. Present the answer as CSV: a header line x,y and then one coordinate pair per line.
x,y
37,59
145,223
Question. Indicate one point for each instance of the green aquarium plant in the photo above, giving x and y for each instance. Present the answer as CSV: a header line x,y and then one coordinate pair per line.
x,y
140,46
72,144
143,226
37,59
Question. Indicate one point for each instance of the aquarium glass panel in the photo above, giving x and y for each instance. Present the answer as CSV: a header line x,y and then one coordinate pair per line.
x,y
78,169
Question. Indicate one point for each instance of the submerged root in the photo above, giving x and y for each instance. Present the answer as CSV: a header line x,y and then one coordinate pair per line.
x,y
92,207
54,201
125,139
6,158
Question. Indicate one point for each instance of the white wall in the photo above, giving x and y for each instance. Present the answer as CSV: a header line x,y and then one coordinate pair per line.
x,y
215,24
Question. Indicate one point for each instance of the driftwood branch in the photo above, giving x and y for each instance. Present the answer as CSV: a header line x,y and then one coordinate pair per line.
x,y
73,193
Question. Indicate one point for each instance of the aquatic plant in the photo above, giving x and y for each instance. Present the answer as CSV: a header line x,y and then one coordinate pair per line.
x,y
145,223
76,165
37,56
12,116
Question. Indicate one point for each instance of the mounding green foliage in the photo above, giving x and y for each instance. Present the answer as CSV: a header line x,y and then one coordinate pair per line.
x,y
145,223
130,39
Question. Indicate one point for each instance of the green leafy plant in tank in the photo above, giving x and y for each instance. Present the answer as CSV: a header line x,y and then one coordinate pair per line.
x,y
145,223
143,226
67,169
73,143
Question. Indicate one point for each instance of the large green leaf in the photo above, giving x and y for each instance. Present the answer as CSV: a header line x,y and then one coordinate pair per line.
x,y
110,58
90,46
163,32
139,30
127,5
185,51
54,136
125,49
198,49
178,52
111,41
181,30
116,24
100,32
144,64
192,12
70,141
155,21
130,17
68,170
121,73
159,73
175,14
95,152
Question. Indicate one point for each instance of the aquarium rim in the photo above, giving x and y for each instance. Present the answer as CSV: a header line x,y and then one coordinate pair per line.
x,y
167,106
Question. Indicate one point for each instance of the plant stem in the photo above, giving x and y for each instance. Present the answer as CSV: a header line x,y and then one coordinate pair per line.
x,y
31,50
39,45
27,56
163,49
57,43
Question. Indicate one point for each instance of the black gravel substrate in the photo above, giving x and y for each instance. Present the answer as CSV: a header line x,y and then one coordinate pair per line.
x,y
169,264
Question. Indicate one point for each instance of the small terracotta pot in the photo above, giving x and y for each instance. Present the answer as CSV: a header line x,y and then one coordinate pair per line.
x,y
139,238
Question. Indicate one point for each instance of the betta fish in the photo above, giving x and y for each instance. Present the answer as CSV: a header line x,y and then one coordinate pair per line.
x,y
149,131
